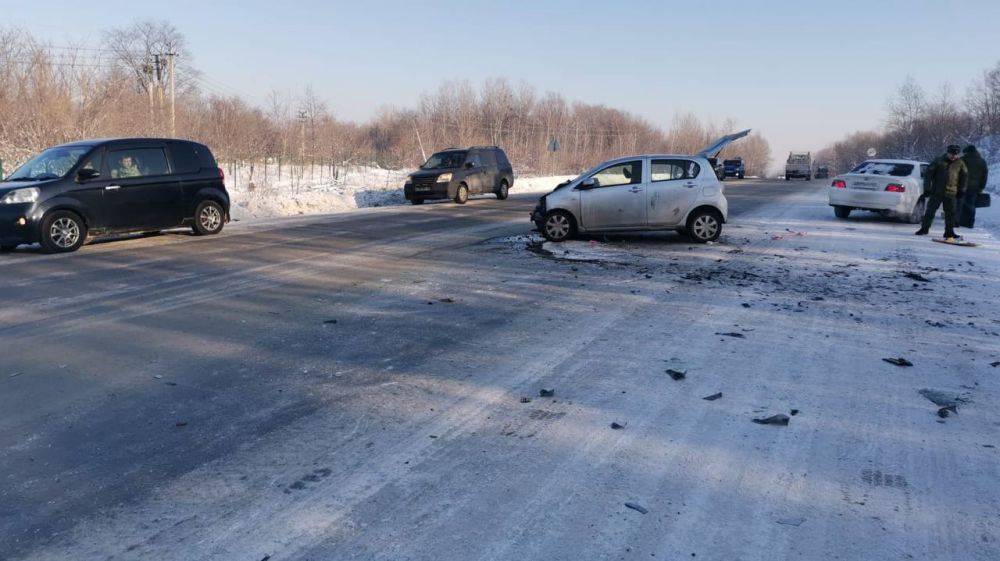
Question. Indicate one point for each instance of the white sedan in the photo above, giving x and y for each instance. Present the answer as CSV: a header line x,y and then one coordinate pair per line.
x,y
888,187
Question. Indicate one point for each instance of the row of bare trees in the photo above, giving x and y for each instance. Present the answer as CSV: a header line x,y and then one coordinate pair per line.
x,y
920,125
56,93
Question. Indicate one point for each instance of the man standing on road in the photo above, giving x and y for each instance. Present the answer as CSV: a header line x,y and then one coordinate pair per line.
x,y
946,180
978,175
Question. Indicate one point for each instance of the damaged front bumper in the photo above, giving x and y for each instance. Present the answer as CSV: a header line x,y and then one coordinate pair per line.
x,y
538,214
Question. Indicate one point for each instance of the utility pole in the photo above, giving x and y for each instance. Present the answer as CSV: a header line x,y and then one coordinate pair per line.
x,y
173,93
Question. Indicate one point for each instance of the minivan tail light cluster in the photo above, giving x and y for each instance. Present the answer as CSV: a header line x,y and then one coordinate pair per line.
x,y
840,184
895,188
222,174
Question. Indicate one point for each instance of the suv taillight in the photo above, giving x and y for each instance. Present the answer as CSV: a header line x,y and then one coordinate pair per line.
x,y
840,184
222,174
895,188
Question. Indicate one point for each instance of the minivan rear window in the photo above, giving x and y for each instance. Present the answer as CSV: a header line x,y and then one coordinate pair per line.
x,y
884,168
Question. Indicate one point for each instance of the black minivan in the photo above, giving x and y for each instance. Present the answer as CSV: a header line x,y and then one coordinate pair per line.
x,y
457,173
91,188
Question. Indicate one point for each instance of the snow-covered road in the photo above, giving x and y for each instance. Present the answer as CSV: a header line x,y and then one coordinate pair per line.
x,y
367,387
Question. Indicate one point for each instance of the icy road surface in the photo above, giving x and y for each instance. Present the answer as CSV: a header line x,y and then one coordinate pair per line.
x,y
366,386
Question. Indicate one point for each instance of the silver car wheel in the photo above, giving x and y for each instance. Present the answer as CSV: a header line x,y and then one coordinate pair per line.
x,y
210,218
557,227
705,227
65,232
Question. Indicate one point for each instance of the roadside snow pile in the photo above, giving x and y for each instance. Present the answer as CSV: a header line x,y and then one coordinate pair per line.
x,y
305,190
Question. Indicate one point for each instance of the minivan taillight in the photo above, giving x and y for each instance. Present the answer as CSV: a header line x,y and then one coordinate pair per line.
x,y
222,174
840,184
895,188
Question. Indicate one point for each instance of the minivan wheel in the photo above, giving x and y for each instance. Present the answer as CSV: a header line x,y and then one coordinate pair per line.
x,y
503,191
417,201
7,248
62,232
209,218
462,195
558,226
841,211
704,226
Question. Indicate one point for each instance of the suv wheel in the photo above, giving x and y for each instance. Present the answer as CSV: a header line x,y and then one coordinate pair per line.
x,y
209,218
417,201
62,232
502,192
704,226
462,195
7,248
558,226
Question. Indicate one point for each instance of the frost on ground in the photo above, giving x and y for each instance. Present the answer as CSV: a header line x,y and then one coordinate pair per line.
x,y
302,190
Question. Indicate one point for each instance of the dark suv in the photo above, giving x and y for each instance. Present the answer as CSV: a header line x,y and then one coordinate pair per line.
x,y
456,173
96,187
734,168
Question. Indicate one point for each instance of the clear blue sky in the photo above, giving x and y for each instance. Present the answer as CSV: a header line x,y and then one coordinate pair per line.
x,y
804,73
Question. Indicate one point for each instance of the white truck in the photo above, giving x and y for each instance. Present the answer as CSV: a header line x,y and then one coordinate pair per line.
x,y
799,164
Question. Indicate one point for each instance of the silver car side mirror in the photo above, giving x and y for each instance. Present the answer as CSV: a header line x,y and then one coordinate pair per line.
x,y
588,183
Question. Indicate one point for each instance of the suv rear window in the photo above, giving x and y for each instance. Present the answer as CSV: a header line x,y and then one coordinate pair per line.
x,y
884,168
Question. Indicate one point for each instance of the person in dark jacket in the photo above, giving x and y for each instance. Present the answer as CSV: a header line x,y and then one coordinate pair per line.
x,y
945,182
978,175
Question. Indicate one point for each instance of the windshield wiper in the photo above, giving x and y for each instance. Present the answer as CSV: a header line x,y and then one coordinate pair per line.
x,y
12,179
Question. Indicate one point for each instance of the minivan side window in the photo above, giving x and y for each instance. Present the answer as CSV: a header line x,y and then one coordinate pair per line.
x,y
628,173
475,160
672,170
488,159
184,158
95,162
137,162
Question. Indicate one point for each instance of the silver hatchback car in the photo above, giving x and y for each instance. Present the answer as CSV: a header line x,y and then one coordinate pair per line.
x,y
635,193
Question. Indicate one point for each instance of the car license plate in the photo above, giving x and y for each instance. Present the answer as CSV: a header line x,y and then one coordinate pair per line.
x,y
864,185
422,188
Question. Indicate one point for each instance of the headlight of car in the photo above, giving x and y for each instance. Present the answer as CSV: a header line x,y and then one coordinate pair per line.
x,y
444,178
20,196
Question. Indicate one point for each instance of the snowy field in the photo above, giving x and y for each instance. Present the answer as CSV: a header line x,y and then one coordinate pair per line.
x,y
305,190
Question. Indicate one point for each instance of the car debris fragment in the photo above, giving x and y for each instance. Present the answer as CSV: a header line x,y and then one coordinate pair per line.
x,y
900,361
638,508
733,334
713,397
945,411
916,276
546,393
779,420
618,426
676,374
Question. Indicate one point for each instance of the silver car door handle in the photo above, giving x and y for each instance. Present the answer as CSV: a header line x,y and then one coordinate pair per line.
x,y
636,189
690,185
112,187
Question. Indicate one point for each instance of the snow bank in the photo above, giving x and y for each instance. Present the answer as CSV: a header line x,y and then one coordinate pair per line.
x,y
304,190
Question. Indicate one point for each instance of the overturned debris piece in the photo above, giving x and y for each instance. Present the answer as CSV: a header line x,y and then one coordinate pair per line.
x,y
796,521
732,334
638,508
447,300
546,393
525,399
898,361
330,322
943,399
794,412
676,374
945,411
713,397
618,426
780,420
916,276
